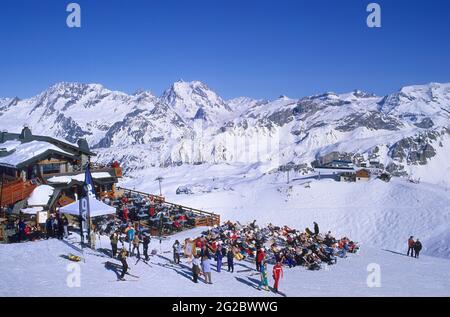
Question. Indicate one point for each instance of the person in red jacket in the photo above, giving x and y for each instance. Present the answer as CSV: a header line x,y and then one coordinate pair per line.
x,y
277,274
260,256
410,246
125,214
151,211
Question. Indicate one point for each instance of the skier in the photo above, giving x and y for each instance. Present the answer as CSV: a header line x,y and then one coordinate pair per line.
x,y
417,248
195,268
264,282
114,241
410,246
219,257
145,243
123,260
136,242
230,260
206,268
176,252
277,274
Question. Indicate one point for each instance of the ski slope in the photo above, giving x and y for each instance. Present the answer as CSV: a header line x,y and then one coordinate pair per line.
x,y
380,216
37,269
377,214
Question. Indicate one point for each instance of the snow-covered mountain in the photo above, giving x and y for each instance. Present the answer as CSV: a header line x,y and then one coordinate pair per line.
x,y
191,124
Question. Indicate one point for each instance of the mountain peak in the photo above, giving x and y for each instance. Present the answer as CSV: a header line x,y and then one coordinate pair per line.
x,y
284,97
187,97
73,85
362,94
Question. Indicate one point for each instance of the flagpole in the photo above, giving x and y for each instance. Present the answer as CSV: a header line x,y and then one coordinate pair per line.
x,y
84,207
1,191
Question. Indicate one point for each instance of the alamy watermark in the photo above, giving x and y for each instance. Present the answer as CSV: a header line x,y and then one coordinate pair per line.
x,y
74,18
74,277
374,18
374,276
250,145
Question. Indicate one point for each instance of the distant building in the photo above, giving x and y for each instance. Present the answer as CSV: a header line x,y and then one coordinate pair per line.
x,y
374,164
340,164
347,177
362,175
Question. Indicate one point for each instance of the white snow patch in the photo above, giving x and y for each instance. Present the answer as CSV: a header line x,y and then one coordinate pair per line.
x,y
40,195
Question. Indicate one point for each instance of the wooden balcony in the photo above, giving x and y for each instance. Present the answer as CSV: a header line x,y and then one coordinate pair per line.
x,y
13,191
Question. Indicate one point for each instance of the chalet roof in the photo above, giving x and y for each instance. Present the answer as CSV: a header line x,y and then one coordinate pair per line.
x,y
17,154
69,179
363,173
18,150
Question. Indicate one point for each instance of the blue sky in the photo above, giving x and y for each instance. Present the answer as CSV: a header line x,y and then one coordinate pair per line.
x,y
257,48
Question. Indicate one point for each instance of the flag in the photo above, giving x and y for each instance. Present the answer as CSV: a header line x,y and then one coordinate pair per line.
x,y
88,191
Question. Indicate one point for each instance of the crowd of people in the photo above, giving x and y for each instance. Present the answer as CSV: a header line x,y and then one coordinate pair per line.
x,y
133,207
280,246
56,226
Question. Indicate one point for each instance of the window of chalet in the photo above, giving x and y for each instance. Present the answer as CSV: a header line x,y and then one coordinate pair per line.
x,y
51,168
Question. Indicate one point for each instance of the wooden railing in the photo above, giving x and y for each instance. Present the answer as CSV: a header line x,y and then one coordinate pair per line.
x,y
14,191
206,219
155,198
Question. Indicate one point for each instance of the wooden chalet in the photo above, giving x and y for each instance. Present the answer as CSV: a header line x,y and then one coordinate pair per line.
x,y
362,175
28,161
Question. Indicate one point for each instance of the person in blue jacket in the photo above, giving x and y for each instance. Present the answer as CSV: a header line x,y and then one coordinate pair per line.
x,y
21,230
264,283
219,257
130,235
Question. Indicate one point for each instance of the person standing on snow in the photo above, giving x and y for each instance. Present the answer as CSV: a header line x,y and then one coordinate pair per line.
x,y
260,256
60,227
130,235
410,246
145,243
264,281
123,259
277,275
417,248
114,241
49,228
230,260
206,268
219,257
21,230
195,268
93,237
136,242
176,252
65,222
